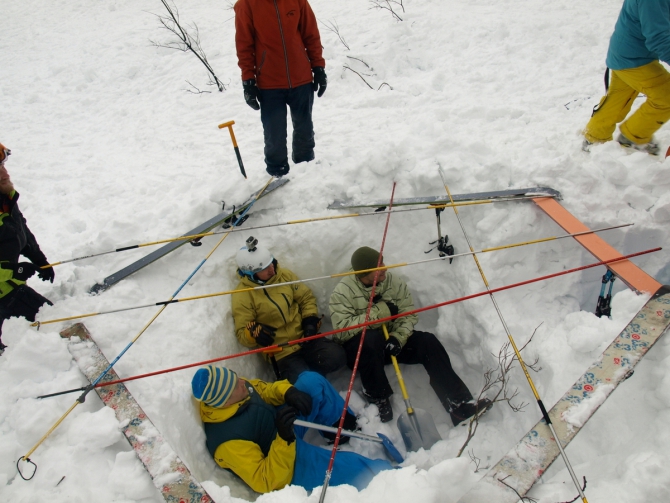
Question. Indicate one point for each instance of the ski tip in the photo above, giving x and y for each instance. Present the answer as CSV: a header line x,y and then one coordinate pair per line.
x,y
98,288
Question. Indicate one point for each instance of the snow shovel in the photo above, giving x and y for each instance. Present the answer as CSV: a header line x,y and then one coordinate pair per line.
x,y
416,426
381,438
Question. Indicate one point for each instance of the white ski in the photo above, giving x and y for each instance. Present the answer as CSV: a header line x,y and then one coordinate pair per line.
x,y
169,474
524,464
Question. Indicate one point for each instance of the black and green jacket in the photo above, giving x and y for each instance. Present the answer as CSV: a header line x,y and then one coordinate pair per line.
x,y
15,240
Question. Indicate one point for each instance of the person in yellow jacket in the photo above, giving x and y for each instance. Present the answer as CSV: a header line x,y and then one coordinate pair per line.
x,y
249,426
17,298
280,314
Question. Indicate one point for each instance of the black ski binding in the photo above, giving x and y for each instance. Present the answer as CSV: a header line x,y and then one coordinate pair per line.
x,y
443,247
604,307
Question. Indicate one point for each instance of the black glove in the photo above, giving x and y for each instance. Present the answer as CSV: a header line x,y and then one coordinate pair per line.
x,y
299,399
284,423
393,346
46,274
376,298
392,307
320,80
251,93
310,325
21,271
264,335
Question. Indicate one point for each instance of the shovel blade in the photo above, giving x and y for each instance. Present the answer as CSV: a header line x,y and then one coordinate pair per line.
x,y
418,430
391,450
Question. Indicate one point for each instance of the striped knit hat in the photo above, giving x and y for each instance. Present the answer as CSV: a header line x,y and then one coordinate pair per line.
x,y
213,385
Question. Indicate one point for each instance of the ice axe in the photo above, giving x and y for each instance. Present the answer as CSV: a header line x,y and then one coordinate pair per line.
x,y
416,426
381,438
229,125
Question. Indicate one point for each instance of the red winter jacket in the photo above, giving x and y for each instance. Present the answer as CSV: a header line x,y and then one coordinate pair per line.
x,y
277,42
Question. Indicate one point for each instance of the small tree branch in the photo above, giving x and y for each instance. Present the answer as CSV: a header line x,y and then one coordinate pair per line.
x,y
386,5
187,42
498,380
523,499
333,26
578,496
349,68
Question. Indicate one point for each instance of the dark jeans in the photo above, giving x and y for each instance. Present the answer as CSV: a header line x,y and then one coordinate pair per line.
x,y
273,116
22,301
319,355
421,347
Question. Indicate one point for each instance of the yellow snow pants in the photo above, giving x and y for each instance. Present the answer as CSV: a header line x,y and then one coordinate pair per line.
x,y
650,79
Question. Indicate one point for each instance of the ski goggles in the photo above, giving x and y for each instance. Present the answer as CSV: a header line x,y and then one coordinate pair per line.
x,y
4,153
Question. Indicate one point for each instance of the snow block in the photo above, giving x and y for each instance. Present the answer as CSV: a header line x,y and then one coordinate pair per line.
x,y
169,474
524,464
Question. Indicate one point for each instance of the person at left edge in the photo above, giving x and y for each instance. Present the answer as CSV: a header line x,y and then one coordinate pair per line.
x,y
280,314
249,430
17,298
279,52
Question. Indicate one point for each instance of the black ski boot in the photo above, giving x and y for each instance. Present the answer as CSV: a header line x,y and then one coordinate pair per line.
x,y
466,410
384,406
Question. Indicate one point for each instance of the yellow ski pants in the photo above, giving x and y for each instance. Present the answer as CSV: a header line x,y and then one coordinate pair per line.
x,y
650,79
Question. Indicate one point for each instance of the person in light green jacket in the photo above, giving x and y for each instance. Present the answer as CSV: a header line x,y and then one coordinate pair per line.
x,y
348,306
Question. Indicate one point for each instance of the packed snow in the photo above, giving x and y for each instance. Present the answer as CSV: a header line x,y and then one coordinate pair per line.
x,y
113,145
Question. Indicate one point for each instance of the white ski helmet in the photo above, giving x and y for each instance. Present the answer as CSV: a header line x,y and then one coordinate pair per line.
x,y
253,258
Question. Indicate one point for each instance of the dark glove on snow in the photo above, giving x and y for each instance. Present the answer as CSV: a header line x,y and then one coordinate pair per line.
x,y
284,423
251,93
264,335
310,325
21,271
320,80
299,399
393,347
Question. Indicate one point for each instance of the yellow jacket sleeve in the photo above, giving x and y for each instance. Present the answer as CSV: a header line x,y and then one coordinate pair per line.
x,y
262,473
271,392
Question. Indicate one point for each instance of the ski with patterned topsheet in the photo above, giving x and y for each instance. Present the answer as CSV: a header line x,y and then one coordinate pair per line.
x,y
170,475
513,194
227,217
513,476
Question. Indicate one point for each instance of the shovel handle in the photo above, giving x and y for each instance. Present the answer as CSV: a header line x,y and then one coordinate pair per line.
x,y
401,381
348,433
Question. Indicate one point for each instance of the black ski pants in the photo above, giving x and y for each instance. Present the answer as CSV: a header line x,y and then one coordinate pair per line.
x,y
421,348
23,301
319,355
273,116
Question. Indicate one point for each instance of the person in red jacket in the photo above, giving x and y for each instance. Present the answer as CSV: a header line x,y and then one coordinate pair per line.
x,y
279,52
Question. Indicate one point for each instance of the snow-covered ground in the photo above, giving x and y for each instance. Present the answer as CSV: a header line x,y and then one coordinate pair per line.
x,y
110,150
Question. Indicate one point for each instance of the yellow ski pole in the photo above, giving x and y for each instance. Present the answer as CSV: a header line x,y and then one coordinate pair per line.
x,y
522,364
318,278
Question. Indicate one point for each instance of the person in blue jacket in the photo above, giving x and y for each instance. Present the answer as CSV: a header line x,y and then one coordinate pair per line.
x,y
250,431
641,38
